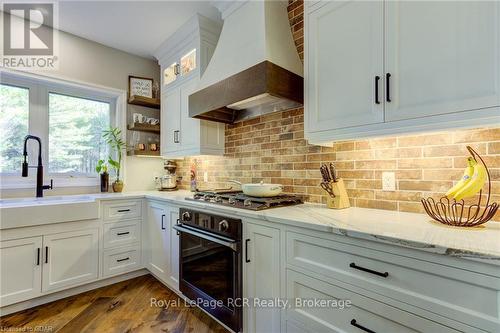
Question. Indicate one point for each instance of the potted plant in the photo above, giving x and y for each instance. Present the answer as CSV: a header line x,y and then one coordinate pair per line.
x,y
102,169
114,138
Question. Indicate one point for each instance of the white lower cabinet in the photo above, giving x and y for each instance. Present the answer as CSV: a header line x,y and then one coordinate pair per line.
x,y
70,258
157,240
360,314
20,269
29,267
262,277
173,253
122,259
163,252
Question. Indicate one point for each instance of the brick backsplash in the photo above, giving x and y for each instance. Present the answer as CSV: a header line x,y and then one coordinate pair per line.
x,y
272,148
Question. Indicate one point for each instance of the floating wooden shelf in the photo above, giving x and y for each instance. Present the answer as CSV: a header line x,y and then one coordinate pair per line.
x,y
144,101
137,152
143,127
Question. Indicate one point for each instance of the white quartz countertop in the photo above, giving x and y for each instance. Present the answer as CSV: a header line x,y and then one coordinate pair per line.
x,y
405,229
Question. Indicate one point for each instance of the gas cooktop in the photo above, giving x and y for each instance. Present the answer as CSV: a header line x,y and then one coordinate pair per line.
x,y
239,200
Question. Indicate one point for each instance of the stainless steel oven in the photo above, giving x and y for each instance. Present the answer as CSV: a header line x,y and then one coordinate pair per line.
x,y
210,271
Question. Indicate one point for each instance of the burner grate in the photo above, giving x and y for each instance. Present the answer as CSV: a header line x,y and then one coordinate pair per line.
x,y
238,199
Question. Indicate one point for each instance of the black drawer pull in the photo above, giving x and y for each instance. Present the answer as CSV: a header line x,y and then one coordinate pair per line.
x,y
38,256
246,250
163,222
388,87
355,324
123,233
377,78
123,210
119,260
353,265
46,254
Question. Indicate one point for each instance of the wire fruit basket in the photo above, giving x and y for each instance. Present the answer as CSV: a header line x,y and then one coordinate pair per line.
x,y
457,213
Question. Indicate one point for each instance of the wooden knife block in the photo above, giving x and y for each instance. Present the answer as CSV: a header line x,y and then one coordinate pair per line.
x,y
341,199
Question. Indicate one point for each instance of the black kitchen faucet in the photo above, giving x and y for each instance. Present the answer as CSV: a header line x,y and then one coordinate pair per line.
x,y
39,168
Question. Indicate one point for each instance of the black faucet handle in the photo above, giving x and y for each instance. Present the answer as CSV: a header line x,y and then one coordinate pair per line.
x,y
25,169
49,187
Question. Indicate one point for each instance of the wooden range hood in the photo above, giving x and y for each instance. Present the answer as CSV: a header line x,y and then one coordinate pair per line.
x,y
260,89
255,68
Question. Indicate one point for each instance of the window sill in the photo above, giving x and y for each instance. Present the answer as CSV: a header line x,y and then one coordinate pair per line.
x,y
14,182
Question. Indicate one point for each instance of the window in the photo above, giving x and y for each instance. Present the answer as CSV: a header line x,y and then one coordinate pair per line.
x,y
75,129
68,118
14,113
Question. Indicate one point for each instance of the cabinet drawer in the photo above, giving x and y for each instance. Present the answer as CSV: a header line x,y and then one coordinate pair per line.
x,y
121,260
458,294
121,209
343,316
122,233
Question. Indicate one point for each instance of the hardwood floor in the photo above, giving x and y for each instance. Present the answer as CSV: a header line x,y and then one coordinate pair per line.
x,y
118,308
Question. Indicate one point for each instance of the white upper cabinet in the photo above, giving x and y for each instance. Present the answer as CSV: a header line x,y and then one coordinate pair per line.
x,y
345,58
171,124
430,65
183,59
443,57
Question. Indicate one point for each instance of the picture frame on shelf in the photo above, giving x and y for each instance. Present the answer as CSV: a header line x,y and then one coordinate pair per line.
x,y
140,86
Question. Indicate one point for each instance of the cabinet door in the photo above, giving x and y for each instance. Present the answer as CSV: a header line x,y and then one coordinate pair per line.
x,y
262,277
344,55
190,127
70,258
443,57
170,121
173,248
20,270
158,240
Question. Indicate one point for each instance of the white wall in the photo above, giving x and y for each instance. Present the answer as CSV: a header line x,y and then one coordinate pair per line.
x,y
86,61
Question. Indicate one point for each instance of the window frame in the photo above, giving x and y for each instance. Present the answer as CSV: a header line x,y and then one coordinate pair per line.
x,y
38,123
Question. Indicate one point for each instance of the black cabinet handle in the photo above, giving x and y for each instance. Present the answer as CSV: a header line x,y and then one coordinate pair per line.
x,y
377,79
388,87
353,265
120,260
46,254
355,324
162,222
123,210
123,233
176,136
38,256
246,250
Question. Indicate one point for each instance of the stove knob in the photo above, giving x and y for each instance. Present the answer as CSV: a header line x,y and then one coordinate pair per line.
x,y
186,216
223,225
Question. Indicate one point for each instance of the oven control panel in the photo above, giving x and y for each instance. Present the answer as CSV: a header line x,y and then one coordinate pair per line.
x,y
221,225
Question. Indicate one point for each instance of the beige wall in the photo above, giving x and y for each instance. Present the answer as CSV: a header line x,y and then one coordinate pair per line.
x,y
85,61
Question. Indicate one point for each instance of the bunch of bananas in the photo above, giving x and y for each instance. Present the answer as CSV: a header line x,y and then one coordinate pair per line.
x,y
471,183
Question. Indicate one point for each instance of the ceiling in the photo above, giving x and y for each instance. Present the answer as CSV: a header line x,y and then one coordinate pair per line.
x,y
136,27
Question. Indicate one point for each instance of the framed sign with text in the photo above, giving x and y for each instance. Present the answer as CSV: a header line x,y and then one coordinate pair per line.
x,y
140,86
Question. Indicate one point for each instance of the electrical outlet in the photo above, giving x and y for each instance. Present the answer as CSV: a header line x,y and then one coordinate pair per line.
x,y
388,181
205,176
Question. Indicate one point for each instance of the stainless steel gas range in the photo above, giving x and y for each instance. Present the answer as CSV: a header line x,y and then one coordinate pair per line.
x,y
210,253
239,200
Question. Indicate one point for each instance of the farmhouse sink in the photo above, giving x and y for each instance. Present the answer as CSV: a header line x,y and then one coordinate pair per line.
x,y
24,212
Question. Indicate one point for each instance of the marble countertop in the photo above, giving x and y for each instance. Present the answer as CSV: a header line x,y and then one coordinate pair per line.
x,y
400,228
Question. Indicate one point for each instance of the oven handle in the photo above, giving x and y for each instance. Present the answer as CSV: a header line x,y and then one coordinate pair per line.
x,y
233,245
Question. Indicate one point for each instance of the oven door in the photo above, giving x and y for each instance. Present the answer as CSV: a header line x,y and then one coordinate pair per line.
x,y
210,273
